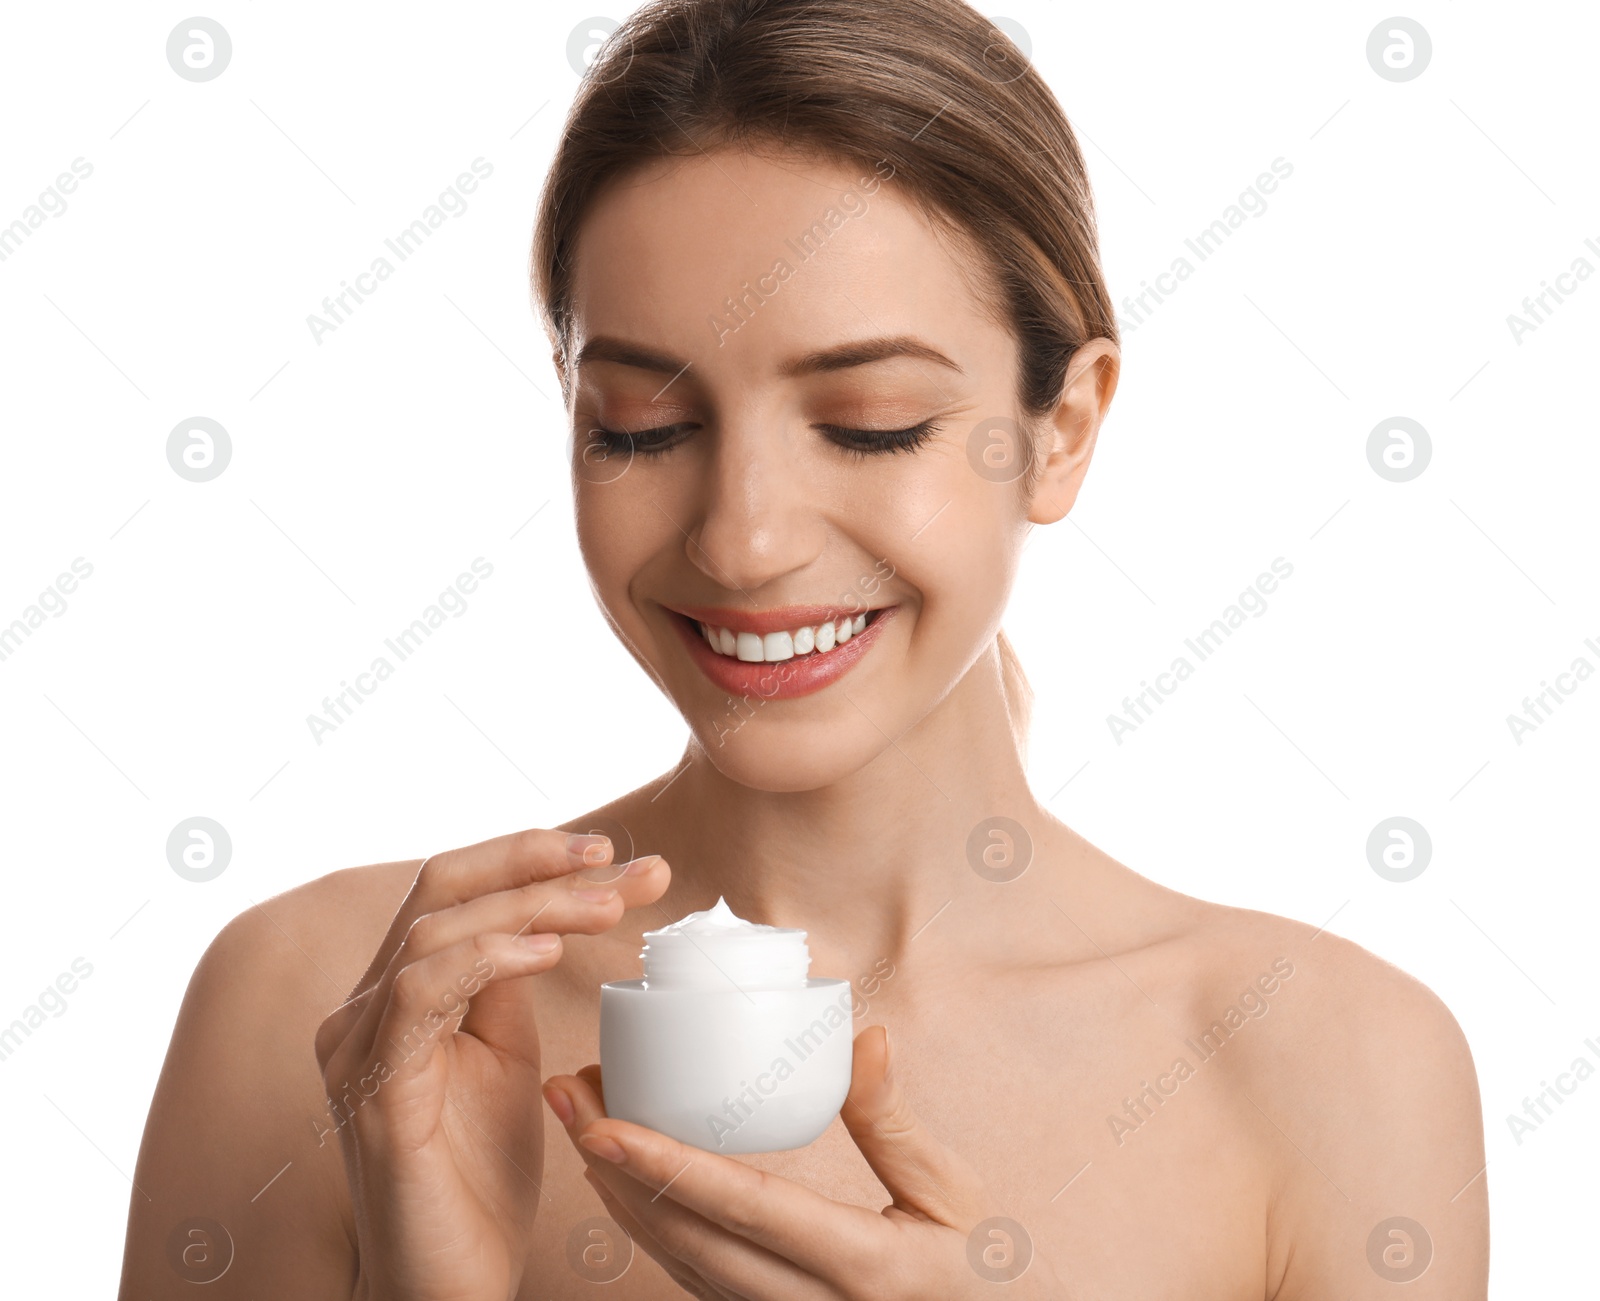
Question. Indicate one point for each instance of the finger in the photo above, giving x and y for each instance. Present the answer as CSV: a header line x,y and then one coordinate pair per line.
x,y
590,1075
725,1264
742,1228
922,1175
427,999
675,1269
571,904
501,863
338,1026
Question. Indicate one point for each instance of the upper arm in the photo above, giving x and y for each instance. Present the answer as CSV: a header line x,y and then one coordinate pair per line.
x,y
231,1165
1380,1146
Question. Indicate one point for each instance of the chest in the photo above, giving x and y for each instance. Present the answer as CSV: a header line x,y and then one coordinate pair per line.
x,y
1137,1176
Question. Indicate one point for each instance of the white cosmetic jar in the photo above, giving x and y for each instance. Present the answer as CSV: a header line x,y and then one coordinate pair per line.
x,y
726,1043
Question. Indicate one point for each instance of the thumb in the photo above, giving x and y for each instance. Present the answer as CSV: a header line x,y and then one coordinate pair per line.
x,y
922,1175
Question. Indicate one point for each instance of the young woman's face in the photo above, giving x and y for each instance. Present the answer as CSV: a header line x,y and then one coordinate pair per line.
x,y
725,302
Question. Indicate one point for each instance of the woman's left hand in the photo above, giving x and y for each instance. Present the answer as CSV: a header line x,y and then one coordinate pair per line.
x,y
723,1229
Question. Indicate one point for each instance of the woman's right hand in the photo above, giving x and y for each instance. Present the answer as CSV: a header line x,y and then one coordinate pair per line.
x,y
432,1065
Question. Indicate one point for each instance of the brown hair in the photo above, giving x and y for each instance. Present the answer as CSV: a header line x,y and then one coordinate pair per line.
x,y
972,132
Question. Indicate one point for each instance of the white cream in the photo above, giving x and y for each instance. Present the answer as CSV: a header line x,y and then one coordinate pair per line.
x,y
727,1043
714,949
719,919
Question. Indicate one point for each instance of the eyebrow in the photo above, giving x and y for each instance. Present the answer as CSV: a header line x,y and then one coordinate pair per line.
x,y
860,352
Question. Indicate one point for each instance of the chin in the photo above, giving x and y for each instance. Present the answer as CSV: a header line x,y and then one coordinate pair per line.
x,y
765,754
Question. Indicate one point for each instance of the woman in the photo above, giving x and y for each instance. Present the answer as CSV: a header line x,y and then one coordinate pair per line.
x,y
824,293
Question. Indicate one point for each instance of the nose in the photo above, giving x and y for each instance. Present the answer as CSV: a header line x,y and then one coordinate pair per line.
x,y
757,517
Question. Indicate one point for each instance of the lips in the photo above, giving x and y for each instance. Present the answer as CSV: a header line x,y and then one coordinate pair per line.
x,y
784,679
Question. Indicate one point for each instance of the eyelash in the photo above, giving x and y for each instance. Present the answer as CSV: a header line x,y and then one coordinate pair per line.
x,y
877,442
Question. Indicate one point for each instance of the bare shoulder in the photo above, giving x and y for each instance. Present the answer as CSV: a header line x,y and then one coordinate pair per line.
x,y
235,1165
1353,1036
1360,1085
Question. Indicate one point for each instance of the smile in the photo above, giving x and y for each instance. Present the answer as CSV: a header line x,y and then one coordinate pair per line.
x,y
786,643
777,654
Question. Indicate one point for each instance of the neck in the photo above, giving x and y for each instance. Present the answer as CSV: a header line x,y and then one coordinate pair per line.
x,y
868,863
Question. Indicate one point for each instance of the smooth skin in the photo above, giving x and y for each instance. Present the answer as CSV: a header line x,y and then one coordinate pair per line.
x,y
1021,1022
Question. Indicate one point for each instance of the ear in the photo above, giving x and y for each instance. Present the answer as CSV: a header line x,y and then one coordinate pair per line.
x,y
1086,396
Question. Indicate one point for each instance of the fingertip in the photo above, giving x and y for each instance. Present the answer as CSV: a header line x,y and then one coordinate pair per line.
x,y
870,1047
646,879
869,1071
587,850
559,1103
603,1146
590,1075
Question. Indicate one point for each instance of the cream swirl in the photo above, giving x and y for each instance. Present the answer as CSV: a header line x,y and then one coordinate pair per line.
x,y
716,949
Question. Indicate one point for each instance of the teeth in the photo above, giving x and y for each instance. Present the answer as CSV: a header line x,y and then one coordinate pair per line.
x,y
773,646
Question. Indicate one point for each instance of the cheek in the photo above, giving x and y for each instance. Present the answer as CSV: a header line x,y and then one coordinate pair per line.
x,y
963,564
963,586
617,533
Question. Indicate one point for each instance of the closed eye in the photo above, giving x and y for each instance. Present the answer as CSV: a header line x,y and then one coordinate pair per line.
x,y
856,442
874,442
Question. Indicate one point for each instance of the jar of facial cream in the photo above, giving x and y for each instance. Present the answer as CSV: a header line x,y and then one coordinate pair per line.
x,y
727,1043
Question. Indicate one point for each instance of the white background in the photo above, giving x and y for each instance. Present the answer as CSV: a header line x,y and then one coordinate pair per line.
x,y
368,470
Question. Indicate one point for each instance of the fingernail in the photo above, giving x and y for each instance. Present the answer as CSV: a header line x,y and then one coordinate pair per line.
x,y
587,851
594,894
887,1055
605,1148
639,866
560,1104
540,943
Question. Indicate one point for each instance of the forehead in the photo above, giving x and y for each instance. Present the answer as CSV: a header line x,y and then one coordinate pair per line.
x,y
754,257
